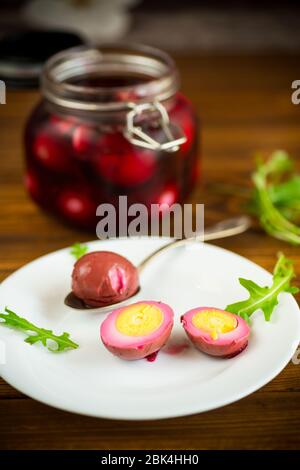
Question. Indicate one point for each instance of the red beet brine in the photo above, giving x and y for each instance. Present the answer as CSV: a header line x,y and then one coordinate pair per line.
x,y
82,148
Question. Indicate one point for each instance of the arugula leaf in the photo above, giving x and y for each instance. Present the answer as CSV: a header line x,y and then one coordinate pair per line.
x,y
287,192
265,298
63,342
78,250
271,219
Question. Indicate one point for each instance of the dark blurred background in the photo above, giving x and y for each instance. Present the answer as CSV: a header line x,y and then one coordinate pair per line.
x,y
193,25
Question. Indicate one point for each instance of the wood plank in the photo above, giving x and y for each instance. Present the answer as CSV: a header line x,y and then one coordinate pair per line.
x,y
250,424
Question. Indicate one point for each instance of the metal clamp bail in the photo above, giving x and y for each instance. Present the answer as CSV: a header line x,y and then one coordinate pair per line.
x,y
138,137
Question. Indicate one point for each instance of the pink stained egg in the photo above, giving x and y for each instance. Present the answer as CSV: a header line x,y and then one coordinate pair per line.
x,y
138,330
103,278
120,163
126,169
62,125
84,138
51,152
32,185
168,197
215,331
76,206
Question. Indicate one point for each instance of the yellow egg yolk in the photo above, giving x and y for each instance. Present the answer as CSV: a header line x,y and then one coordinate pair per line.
x,y
139,320
214,322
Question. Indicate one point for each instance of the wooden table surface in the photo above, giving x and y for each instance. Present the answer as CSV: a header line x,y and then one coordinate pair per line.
x,y
244,104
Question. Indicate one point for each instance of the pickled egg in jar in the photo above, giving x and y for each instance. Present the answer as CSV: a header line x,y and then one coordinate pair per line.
x,y
111,122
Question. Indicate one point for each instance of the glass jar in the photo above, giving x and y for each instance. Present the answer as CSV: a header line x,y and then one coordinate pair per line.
x,y
111,122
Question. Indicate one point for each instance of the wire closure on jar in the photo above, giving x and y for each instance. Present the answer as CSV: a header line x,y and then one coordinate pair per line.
x,y
69,78
78,79
137,136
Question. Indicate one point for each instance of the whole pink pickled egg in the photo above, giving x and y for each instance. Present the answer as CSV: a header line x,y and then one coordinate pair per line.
x,y
77,205
216,332
103,278
51,152
83,139
121,163
137,330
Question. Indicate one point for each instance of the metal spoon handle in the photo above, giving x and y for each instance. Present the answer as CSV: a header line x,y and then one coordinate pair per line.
x,y
226,228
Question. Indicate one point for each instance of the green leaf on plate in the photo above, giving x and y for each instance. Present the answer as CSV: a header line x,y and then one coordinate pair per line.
x,y
78,250
265,298
35,334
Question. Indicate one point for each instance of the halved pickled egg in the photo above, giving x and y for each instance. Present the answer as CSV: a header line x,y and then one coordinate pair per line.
x,y
137,330
216,332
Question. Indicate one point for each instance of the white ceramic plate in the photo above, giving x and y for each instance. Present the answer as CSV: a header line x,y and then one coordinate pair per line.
x,y
91,381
